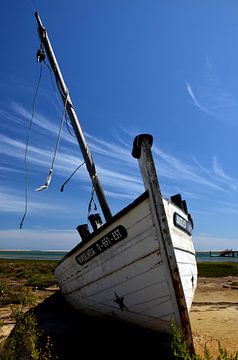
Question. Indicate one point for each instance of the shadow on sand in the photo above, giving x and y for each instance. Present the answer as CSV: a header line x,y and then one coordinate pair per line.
x,y
74,335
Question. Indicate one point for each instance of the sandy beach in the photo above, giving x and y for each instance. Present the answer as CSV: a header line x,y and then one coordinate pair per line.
x,y
213,316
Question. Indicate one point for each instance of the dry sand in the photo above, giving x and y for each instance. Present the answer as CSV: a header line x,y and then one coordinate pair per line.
x,y
214,314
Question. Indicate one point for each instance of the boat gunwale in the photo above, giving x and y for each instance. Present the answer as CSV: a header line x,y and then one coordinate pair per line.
x,y
124,211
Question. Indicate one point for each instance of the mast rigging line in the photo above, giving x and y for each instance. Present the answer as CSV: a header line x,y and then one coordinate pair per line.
x,y
73,119
78,167
27,145
48,180
40,59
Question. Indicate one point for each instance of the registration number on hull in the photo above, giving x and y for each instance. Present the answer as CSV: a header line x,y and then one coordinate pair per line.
x,y
108,240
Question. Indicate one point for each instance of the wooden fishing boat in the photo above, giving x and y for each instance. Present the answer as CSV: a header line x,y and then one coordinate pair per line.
x,y
138,266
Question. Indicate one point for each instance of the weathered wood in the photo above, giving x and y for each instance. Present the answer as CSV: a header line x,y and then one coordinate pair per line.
x,y
133,269
151,183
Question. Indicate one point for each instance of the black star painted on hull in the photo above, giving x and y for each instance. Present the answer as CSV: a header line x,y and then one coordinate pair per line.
x,y
120,302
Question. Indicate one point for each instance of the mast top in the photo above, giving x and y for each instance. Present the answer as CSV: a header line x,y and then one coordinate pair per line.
x,y
38,19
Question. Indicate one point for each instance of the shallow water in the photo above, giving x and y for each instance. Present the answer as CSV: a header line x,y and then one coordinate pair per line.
x,y
32,254
58,255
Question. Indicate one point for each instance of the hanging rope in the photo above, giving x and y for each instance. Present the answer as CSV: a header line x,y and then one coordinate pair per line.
x,y
27,145
48,180
62,187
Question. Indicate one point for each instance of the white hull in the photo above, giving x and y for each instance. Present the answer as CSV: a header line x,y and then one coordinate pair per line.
x,y
133,269
140,266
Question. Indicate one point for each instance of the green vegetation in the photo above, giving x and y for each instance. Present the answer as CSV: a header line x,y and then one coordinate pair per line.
x,y
219,269
31,273
18,279
181,351
16,295
26,342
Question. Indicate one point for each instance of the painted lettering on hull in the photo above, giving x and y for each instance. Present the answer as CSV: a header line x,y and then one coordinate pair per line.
x,y
108,240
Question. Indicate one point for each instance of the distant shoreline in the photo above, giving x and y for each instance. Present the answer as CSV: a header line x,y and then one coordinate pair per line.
x,y
32,254
54,254
66,250
30,250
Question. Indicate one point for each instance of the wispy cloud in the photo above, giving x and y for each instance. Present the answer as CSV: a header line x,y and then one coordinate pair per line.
x,y
117,169
211,98
39,120
173,168
41,157
116,195
222,177
110,150
195,101
123,174
5,169
14,203
66,164
127,183
226,207
99,146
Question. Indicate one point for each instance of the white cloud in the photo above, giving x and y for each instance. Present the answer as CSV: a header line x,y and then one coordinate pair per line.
x,y
120,177
195,101
39,120
110,150
174,168
212,99
65,164
221,176
117,195
5,169
14,203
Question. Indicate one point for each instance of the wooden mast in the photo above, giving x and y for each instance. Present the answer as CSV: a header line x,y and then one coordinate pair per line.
x,y
74,119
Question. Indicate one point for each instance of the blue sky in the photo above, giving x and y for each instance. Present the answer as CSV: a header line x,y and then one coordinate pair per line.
x,y
169,68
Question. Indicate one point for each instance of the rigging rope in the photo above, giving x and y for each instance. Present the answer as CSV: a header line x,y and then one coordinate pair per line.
x,y
27,145
48,180
41,59
62,187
